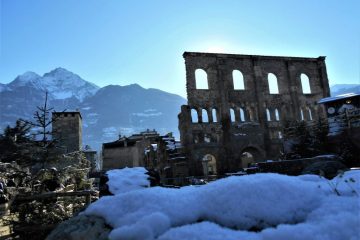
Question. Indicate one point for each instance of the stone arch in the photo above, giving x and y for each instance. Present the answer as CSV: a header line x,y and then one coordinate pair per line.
x,y
277,115
250,154
232,115
201,79
268,115
305,83
194,115
273,84
214,115
238,80
204,115
242,115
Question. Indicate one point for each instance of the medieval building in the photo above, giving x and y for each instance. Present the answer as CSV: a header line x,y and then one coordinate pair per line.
x,y
127,151
67,131
238,105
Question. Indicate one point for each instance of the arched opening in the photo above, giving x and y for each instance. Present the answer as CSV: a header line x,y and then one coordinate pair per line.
x,y
305,84
249,155
201,79
214,116
268,116
273,84
204,114
209,165
194,116
238,80
232,115
242,115
301,115
310,114
277,115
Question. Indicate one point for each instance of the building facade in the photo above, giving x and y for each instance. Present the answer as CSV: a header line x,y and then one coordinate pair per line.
x,y
238,105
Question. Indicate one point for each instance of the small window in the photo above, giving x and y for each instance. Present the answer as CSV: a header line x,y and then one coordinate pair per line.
x,y
277,115
207,138
273,84
301,115
201,79
232,115
305,84
204,114
214,117
280,135
242,115
238,80
194,116
268,116
310,114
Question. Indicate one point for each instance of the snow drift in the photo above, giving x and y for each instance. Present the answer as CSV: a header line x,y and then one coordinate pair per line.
x,y
260,206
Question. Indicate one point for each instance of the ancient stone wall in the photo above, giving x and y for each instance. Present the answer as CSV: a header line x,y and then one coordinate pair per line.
x,y
225,120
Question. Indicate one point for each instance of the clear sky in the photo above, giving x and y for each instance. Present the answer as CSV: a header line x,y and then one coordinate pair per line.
x,y
124,42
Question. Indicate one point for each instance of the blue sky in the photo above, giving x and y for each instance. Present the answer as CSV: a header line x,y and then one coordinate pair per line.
x,y
124,42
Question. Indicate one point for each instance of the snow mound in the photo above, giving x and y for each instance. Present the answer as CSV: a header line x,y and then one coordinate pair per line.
x,y
259,206
127,179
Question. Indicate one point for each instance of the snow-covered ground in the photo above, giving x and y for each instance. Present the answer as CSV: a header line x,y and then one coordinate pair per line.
x,y
259,206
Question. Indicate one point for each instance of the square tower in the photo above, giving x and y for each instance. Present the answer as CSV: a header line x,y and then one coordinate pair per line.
x,y
67,130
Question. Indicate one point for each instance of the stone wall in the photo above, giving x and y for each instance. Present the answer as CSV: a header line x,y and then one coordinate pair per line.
x,y
258,115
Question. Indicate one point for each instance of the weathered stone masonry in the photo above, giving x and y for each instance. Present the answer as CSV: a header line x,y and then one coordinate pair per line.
x,y
232,121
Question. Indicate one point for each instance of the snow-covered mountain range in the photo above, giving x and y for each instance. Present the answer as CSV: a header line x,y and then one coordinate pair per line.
x,y
60,83
106,112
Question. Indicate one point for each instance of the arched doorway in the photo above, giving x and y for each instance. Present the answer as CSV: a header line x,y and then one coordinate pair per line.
x,y
248,156
209,165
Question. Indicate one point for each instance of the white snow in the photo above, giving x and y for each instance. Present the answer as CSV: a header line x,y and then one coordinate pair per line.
x,y
284,207
127,179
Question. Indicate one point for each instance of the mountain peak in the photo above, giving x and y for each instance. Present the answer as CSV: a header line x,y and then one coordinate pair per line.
x,y
60,72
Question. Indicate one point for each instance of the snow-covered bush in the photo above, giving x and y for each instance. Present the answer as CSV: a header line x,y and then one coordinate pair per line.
x,y
259,206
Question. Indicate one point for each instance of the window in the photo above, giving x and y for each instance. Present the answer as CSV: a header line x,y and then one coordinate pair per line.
x,y
277,116
310,114
201,80
242,115
301,115
280,135
273,84
305,84
204,114
232,115
194,116
214,117
238,80
268,116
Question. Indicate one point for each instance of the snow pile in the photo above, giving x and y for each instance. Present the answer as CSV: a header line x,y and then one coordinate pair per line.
x,y
127,179
260,206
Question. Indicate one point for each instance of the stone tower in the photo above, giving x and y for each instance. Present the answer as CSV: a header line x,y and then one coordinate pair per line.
x,y
67,130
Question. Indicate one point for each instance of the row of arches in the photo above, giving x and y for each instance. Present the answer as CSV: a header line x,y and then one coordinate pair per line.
x,y
243,115
204,116
201,81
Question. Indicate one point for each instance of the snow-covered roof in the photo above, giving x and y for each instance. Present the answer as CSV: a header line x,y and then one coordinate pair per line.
x,y
338,97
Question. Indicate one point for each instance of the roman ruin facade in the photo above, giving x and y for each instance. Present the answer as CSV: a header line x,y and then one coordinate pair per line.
x,y
238,105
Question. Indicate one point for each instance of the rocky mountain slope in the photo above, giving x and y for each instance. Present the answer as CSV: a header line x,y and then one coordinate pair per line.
x,y
107,112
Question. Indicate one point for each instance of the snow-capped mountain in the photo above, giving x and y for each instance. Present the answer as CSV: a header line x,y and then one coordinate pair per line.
x,y
60,83
106,112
